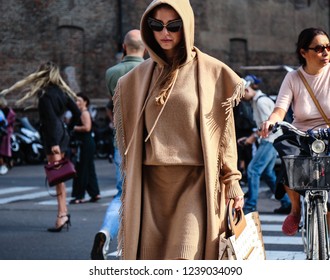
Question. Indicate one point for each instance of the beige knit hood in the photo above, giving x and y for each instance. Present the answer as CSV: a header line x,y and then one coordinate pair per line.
x,y
183,8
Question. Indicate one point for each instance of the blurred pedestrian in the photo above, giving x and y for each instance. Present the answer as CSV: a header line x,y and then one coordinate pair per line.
x,y
109,112
175,131
5,142
3,135
244,126
264,159
133,55
53,97
86,179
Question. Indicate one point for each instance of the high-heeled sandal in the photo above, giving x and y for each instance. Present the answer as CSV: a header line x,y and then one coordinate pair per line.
x,y
67,223
95,198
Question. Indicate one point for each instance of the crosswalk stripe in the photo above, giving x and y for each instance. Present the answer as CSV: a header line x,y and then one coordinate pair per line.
x,y
16,190
53,201
285,255
39,194
23,197
287,240
272,218
271,227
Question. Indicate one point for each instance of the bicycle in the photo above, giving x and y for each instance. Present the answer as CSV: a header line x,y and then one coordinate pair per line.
x,y
310,175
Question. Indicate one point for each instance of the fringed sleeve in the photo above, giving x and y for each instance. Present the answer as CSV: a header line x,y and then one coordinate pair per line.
x,y
229,174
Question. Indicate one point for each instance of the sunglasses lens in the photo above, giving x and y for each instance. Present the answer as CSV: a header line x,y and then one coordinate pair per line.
x,y
174,26
155,25
319,49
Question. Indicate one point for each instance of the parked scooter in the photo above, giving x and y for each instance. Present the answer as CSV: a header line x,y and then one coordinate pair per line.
x,y
26,143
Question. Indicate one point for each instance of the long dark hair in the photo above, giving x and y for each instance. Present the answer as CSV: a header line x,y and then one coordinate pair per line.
x,y
304,40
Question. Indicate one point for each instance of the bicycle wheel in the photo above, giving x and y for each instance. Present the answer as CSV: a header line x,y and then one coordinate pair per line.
x,y
304,229
321,220
312,233
317,247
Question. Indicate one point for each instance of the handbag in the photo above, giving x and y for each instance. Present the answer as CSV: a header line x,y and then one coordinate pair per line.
x,y
59,171
243,238
317,104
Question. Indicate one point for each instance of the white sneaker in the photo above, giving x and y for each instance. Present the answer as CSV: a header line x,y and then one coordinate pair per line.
x,y
100,246
3,169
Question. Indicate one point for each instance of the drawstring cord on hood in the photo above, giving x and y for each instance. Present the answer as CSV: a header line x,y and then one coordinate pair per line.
x,y
165,99
141,113
161,98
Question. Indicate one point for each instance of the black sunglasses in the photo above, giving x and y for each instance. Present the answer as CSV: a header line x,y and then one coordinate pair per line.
x,y
172,26
320,48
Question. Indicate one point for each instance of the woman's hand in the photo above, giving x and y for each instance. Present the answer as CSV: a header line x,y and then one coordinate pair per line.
x,y
56,150
241,141
55,155
238,202
251,139
266,128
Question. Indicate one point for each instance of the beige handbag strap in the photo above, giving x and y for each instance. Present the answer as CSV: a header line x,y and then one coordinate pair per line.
x,y
313,97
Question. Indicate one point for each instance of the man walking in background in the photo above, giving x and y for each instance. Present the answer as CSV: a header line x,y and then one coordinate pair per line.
x,y
133,53
263,160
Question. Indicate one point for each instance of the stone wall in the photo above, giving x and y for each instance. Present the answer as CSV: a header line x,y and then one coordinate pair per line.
x,y
84,36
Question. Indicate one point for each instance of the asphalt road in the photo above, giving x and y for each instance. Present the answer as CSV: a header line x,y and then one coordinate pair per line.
x,y
26,216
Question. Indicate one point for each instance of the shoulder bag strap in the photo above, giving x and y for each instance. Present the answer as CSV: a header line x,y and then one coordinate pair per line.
x,y
314,98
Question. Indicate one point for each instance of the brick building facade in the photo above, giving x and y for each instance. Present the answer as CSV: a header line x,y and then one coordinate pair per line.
x,y
84,36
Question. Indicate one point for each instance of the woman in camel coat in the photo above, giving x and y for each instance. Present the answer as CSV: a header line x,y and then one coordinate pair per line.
x,y
175,131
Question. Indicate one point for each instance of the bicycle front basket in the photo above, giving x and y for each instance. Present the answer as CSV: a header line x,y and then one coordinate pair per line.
x,y
308,173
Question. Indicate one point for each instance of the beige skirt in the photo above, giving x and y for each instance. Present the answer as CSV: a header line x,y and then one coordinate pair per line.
x,y
174,213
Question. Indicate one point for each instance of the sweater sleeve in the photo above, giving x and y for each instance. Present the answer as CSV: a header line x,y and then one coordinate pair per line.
x,y
229,173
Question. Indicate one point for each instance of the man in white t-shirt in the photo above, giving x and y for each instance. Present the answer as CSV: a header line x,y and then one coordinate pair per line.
x,y
264,159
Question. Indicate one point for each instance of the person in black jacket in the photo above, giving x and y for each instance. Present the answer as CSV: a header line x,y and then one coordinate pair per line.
x,y
53,98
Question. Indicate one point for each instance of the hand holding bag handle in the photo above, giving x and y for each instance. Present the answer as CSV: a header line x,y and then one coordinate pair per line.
x,y
234,225
58,172
237,221
243,239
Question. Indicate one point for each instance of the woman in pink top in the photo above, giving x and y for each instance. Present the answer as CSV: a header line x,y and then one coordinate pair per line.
x,y
313,49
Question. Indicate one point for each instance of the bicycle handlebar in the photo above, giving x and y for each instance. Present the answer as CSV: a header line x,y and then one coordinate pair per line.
x,y
321,133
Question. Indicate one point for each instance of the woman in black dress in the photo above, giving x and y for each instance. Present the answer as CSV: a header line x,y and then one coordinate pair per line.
x,y
86,179
53,98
